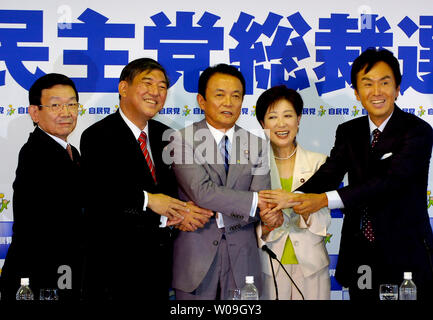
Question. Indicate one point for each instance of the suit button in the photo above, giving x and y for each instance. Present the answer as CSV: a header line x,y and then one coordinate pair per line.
x,y
302,180
215,243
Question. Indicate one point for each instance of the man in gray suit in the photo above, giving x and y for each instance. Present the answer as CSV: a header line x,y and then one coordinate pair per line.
x,y
219,166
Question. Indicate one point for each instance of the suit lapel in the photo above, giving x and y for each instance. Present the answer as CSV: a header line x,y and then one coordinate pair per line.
x,y
130,147
360,143
156,147
239,154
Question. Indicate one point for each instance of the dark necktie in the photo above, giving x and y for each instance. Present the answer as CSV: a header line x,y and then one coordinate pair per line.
x,y
376,135
69,150
224,148
142,139
367,227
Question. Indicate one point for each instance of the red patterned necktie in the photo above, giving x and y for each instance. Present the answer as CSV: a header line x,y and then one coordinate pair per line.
x,y
69,150
142,139
367,227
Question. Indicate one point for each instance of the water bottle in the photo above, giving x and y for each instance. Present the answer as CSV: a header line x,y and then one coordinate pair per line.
x,y
249,291
24,292
407,288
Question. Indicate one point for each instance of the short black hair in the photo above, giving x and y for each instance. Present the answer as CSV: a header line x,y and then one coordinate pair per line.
x,y
137,66
368,60
46,82
275,94
219,68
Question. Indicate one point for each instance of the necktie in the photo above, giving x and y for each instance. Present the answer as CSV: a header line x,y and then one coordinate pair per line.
x,y
224,148
367,227
376,134
142,139
69,150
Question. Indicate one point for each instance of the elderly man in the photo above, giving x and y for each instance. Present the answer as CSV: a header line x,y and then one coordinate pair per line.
x,y
47,211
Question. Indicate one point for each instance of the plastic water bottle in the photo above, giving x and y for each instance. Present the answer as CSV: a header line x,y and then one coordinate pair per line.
x,y
249,291
24,292
407,288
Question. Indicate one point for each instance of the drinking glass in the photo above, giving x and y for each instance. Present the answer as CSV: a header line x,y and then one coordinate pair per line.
x,y
48,294
388,292
234,294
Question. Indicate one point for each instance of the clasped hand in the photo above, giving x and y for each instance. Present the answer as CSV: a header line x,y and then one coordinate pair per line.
x,y
185,215
302,203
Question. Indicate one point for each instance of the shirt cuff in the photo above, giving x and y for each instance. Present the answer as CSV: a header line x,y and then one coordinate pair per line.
x,y
146,200
254,204
334,200
163,222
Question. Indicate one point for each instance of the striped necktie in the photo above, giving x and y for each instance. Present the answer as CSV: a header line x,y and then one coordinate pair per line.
x,y
224,148
142,139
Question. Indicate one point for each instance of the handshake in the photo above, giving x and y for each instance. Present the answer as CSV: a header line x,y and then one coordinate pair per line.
x,y
271,202
186,216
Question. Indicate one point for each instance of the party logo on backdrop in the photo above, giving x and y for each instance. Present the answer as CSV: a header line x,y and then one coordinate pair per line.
x,y
3,202
429,199
186,111
355,111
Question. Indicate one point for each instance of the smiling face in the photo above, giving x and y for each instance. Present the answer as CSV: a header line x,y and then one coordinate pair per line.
x,y
377,91
223,102
59,124
144,97
282,122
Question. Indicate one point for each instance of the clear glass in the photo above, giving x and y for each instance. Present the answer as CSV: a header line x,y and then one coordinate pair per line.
x,y
48,294
388,292
234,294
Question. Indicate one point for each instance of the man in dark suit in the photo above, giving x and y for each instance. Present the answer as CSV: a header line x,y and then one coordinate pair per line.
x,y
386,227
130,188
46,204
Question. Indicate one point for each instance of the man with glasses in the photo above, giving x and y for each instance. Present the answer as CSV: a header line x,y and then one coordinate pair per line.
x,y
46,234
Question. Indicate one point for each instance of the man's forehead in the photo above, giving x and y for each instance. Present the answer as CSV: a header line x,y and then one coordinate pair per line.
x,y
58,91
152,74
220,81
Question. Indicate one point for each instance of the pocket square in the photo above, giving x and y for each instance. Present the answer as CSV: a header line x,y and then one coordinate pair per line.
x,y
386,155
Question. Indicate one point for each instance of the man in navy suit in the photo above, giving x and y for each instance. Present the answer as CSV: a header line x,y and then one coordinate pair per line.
x,y
131,192
46,241
386,229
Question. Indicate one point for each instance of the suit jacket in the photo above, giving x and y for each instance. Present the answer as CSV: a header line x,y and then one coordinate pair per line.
x,y
127,251
390,181
202,178
308,242
47,218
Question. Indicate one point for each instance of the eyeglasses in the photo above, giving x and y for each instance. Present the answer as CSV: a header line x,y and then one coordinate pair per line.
x,y
57,107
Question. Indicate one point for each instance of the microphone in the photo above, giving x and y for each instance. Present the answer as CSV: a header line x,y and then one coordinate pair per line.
x,y
274,256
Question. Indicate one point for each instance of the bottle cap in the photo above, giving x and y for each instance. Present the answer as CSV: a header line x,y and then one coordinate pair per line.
x,y
407,276
249,279
24,281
